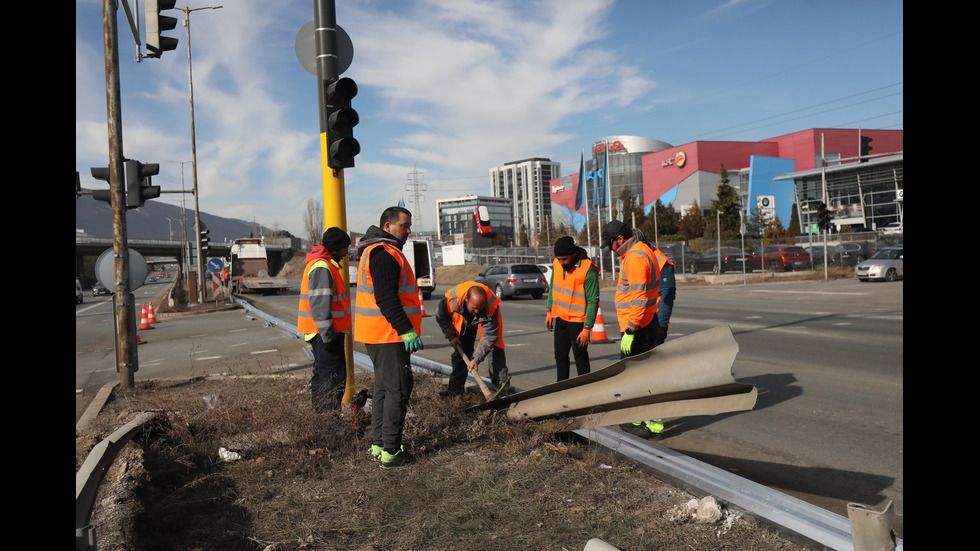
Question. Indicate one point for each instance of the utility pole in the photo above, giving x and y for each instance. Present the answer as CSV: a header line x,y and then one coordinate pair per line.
x,y
201,283
416,187
123,300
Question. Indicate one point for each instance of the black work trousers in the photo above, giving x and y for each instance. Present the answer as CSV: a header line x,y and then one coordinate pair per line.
x,y
566,335
393,384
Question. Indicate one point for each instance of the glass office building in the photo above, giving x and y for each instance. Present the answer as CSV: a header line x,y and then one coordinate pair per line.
x,y
457,219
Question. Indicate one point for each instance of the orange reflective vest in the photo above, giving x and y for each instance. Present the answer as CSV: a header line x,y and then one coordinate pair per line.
x,y
370,325
454,299
638,289
340,314
568,291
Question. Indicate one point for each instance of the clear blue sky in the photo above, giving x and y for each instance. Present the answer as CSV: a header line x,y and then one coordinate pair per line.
x,y
456,87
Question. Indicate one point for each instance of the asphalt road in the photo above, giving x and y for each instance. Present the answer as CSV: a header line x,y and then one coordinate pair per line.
x,y
826,357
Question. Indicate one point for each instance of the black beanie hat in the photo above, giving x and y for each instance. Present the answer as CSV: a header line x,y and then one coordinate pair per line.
x,y
565,246
335,239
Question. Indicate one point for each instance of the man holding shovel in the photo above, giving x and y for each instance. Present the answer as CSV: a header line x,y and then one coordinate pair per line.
x,y
469,316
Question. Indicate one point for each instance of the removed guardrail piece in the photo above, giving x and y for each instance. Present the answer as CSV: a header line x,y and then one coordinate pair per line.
x,y
690,375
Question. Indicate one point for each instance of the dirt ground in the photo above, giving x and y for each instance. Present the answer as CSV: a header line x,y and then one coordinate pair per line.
x,y
298,481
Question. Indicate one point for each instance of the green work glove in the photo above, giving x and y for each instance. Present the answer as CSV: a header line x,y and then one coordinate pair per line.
x,y
626,344
413,343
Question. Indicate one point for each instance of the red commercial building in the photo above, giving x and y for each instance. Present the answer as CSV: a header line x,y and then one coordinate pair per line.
x,y
681,175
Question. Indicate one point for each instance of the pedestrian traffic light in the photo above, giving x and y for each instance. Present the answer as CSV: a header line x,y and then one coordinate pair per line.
x,y
341,120
865,148
156,43
205,241
101,173
138,188
823,217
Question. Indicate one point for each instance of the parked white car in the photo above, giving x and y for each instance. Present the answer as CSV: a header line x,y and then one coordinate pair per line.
x,y
546,270
887,264
894,227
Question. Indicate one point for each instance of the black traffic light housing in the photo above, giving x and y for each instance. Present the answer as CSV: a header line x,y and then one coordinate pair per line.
x,y
341,120
138,183
865,148
101,173
205,241
823,217
156,23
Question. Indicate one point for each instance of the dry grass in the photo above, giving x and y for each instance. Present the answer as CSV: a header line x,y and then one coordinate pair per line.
x,y
481,481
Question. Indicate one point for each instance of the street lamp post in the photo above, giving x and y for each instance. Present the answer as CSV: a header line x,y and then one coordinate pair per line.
x,y
197,213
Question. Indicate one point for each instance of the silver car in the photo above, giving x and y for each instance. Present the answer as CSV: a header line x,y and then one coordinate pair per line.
x,y
507,280
887,265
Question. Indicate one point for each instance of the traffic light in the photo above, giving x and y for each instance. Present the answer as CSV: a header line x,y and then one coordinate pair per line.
x,y
865,148
138,188
156,43
205,241
341,120
823,217
101,173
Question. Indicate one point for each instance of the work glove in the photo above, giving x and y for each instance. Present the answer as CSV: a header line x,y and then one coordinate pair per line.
x,y
626,344
584,337
413,342
547,321
661,334
454,342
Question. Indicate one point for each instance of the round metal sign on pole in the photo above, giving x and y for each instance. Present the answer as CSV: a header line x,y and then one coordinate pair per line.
x,y
105,269
306,49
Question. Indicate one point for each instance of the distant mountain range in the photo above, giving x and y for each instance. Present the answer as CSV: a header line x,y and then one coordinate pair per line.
x,y
156,220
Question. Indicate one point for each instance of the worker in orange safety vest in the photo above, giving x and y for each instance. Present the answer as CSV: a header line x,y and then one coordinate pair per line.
x,y
325,318
645,289
469,316
388,320
573,301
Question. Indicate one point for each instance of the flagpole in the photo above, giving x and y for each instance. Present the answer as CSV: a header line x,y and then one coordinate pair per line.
x,y
608,184
585,195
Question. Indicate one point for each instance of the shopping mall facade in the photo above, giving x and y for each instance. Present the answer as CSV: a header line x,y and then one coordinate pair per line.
x,y
774,175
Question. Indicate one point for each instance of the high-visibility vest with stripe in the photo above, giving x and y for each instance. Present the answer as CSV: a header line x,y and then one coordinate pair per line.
x,y
370,325
568,291
340,311
638,289
455,297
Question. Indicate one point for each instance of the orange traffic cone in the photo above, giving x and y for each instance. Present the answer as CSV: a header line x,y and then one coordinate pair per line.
x,y
144,322
422,302
152,316
599,328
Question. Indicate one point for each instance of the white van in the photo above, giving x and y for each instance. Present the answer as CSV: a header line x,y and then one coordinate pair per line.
x,y
419,255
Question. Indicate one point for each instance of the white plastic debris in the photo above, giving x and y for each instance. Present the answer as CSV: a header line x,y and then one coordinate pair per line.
x,y
211,401
708,510
228,455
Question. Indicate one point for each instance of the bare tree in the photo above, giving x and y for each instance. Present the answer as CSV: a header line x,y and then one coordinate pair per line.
x,y
313,221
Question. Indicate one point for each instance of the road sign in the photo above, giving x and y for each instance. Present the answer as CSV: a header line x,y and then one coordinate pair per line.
x,y
215,265
306,49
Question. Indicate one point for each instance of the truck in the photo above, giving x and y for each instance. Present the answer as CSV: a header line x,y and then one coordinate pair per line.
x,y
250,268
419,255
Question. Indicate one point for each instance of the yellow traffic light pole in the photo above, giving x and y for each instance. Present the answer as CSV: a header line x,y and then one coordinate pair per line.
x,y
334,199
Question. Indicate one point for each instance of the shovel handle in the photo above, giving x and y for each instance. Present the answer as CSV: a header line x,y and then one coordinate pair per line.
x,y
479,380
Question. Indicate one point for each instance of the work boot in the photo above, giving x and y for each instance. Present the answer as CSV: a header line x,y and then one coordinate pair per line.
x,y
375,452
394,460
